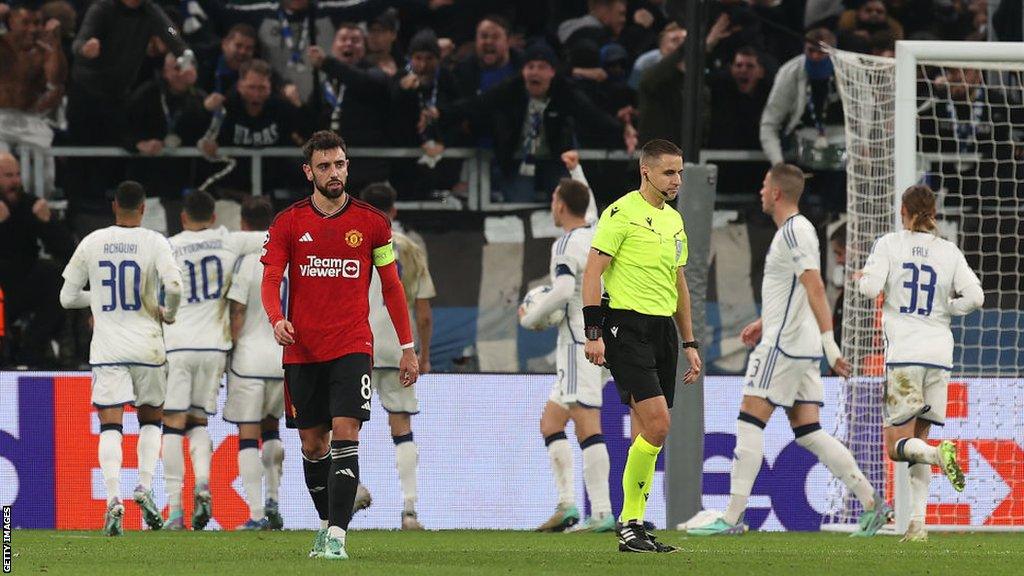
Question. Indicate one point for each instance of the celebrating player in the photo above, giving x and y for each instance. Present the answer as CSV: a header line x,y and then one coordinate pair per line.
x,y
255,381
121,264
197,347
400,401
328,243
577,393
794,328
639,249
925,280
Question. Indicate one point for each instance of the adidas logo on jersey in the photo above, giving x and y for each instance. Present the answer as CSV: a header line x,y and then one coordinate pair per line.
x,y
346,471
307,237
366,405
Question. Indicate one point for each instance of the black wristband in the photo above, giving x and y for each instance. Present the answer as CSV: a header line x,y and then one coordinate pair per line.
x,y
593,317
692,344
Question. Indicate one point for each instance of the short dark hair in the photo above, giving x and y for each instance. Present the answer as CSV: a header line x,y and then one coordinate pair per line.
x,y
748,51
657,148
242,30
380,195
498,20
255,66
320,141
575,195
257,212
788,178
199,206
129,195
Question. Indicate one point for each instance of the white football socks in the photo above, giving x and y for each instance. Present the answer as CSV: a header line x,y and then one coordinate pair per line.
x,y
837,458
746,463
250,468
110,462
273,464
596,468
561,465
406,459
148,452
917,450
200,449
174,469
920,478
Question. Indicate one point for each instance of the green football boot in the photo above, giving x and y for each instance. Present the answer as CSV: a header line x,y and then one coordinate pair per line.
x,y
871,521
947,454
112,519
150,513
719,528
203,510
319,544
563,518
334,549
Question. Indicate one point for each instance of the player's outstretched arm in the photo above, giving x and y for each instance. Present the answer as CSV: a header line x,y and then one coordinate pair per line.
x,y
684,322
815,288
561,291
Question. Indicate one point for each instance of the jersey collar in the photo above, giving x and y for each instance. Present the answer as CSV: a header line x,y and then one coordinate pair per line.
x,y
336,213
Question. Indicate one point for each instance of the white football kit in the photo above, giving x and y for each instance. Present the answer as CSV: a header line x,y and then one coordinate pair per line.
x,y
387,351
125,268
784,367
256,376
198,343
926,280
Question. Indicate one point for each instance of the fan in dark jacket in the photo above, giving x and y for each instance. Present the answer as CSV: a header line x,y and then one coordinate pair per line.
x,y
533,118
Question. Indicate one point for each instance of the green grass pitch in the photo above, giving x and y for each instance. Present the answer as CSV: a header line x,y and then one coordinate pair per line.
x,y
484,552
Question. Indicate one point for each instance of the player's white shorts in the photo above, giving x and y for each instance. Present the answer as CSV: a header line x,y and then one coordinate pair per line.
x,y
579,381
250,400
193,378
782,380
394,397
915,392
129,384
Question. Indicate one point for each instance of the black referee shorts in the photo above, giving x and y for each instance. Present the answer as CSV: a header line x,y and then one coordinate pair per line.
x,y
316,393
641,352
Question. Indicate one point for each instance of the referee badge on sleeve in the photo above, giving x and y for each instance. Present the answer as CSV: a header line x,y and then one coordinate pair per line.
x,y
679,248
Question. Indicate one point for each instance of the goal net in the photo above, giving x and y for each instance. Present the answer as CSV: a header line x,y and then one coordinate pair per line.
x,y
950,115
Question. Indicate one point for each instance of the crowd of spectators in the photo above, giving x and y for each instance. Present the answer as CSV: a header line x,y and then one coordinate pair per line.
x,y
527,79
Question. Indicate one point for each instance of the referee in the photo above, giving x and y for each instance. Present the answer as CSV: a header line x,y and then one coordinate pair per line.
x,y
639,250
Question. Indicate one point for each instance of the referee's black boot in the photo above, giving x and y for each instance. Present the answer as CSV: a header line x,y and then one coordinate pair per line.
x,y
633,538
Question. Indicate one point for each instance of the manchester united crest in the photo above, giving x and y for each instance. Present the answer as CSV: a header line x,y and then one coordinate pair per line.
x,y
354,238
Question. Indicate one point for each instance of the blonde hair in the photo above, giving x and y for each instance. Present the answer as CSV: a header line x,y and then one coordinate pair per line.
x,y
919,202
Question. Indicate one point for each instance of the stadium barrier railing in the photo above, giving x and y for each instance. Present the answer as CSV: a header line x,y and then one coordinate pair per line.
x,y
477,168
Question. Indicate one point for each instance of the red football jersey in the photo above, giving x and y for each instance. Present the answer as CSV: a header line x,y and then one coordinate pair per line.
x,y
330,259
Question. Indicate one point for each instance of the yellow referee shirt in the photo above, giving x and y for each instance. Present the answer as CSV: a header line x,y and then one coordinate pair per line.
x,y
647,246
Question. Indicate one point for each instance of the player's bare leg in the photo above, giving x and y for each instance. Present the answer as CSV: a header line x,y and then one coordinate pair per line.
x,y
804,418
272,454
148,448
406,460
110,457
316,467
552,428
250,468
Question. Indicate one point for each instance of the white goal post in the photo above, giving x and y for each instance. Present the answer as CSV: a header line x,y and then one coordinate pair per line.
x,y
950,114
